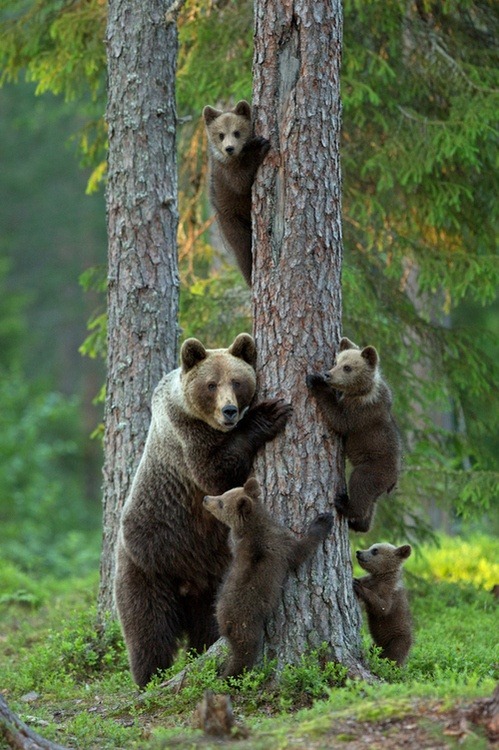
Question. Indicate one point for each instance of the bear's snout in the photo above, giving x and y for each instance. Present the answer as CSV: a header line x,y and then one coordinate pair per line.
x,y
230,413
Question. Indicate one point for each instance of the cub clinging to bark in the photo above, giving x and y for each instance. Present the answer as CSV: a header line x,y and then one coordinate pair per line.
x,y
235,154
171,553
356,403
385,599
263,554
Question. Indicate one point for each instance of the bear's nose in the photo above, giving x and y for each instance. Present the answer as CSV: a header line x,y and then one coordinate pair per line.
x,y
358,554
230,149
230,412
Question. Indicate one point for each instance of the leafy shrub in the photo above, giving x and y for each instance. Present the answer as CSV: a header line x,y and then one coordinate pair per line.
x,y
41,498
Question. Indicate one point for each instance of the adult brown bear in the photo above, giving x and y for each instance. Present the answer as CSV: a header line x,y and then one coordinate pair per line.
x,y
172,553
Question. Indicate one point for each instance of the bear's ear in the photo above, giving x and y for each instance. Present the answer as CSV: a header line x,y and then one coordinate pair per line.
x,y
210,114
191,353
370,355
244,506
252,488
243,347
347,344
404,551
243,109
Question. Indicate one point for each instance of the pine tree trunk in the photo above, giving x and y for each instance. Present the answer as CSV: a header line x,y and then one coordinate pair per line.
x,y
142,230
297,307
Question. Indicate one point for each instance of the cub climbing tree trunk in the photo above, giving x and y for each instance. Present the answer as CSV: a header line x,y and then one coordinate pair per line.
x,y
142,230
297,307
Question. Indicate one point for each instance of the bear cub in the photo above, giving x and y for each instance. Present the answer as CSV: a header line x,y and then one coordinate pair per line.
x,y
356,403
385,599
235,153
263,554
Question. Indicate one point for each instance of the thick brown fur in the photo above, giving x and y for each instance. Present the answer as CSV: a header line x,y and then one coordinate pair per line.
x,y
385,599
172,554
263,554
356,403
235,155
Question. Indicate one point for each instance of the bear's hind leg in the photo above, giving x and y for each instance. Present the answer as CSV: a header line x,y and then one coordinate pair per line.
x,y
398,649
199,622
151,626
244,649
364,487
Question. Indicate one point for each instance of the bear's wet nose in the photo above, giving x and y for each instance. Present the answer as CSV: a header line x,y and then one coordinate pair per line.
x,y
230,149
358,554
230,412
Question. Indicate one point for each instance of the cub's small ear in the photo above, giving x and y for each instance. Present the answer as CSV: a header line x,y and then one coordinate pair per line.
x,y
191,354
243,347
210,114
404,551
347,344
243,108
370,355
244,506
252,488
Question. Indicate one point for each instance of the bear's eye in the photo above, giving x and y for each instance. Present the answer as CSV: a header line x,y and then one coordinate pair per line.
x,y
347,368
221,136
212,386
236,133
236,384
374,551
220,504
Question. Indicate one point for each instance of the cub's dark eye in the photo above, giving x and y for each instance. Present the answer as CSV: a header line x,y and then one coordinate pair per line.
x,y
221,136
212,386
220,504
236,384
347,368
236,133
374,551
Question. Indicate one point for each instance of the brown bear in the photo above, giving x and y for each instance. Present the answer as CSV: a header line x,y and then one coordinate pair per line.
x,y
172,553
385,599
263,554
356,403
235,154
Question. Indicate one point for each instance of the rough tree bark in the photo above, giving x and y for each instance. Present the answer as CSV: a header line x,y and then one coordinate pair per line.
x,y
297,306
18,735
142,229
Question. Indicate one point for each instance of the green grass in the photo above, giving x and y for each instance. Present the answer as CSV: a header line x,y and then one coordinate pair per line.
x,y
86,699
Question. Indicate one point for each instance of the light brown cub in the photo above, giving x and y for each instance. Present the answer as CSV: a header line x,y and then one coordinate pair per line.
x,y
356,403
235,154
385,599
263,554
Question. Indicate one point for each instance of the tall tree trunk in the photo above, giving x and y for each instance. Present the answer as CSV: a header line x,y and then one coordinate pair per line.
x,y
142,229
297,306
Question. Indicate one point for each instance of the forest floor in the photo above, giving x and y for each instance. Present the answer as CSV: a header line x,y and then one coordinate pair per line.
x,y
69,681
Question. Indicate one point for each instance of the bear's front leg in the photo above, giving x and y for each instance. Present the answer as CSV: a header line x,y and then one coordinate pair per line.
x,y
265,421
373,602
256,149
226,462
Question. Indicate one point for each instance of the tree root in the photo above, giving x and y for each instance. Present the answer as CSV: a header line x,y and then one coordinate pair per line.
x,y
18,735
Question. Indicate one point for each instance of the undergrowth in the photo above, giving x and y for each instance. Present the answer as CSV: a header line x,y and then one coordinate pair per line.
x,y
71,678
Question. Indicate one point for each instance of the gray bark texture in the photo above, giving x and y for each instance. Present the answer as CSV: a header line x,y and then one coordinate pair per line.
x,y
142,230
297,241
